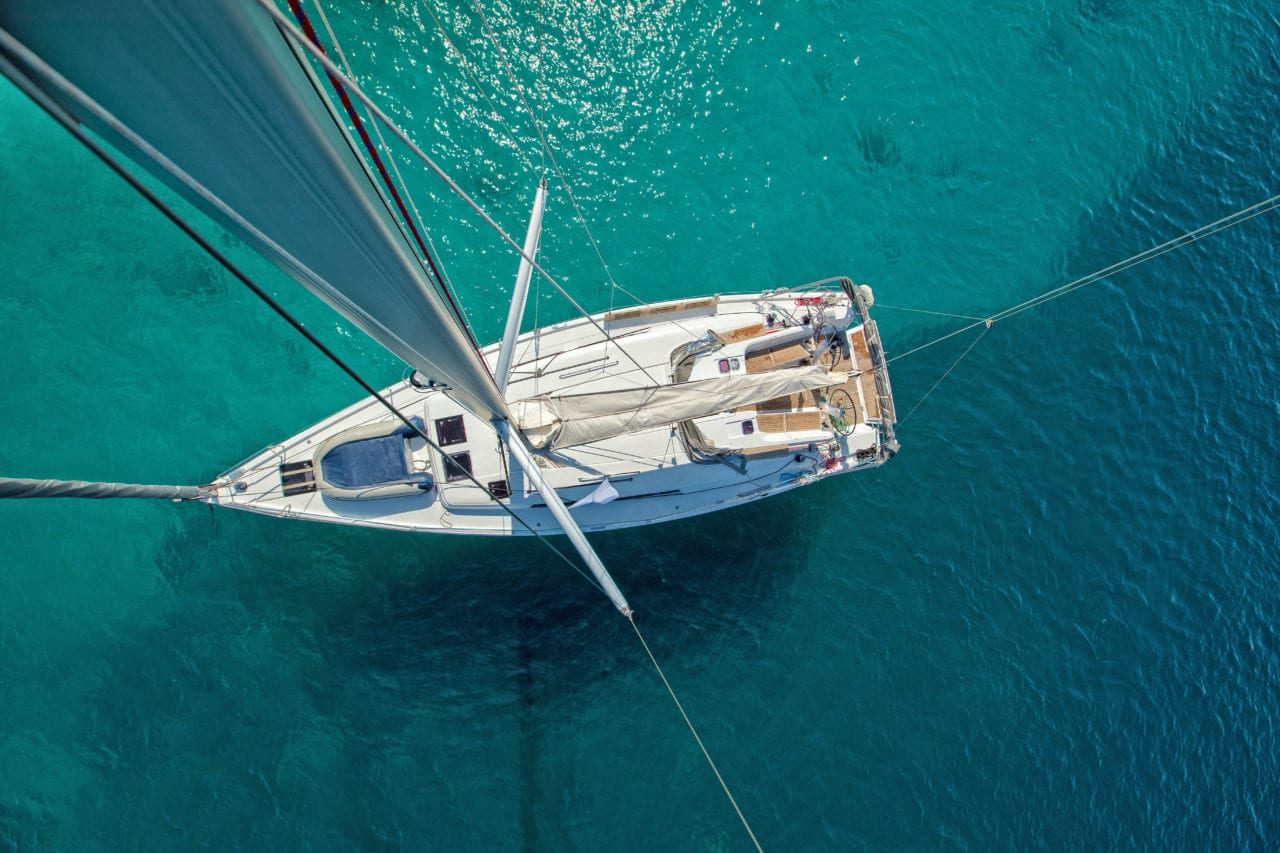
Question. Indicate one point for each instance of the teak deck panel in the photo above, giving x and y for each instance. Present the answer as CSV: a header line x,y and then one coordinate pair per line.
x,y
803,421
862,357
789,421
775,357
789,403
771,423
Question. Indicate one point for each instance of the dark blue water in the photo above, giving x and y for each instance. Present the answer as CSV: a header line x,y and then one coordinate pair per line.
x,y
1050,622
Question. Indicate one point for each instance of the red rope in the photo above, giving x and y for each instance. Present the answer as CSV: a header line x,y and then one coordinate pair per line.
x,y
296,7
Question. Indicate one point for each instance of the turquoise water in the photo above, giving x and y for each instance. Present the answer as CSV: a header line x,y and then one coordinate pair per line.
x,y
1050,622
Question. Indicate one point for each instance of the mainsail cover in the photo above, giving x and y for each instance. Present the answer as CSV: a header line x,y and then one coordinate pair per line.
x,y
217,89
574,419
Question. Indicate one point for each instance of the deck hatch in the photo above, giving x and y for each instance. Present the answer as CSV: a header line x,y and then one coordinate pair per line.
x,y
451,430
297,478
457,466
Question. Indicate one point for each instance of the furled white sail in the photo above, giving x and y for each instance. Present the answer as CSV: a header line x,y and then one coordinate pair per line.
x,y
574,419
215,88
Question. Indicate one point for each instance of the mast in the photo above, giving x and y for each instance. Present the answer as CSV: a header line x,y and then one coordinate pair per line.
x,y
520,294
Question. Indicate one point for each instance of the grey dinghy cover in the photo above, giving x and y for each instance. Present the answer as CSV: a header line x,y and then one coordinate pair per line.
x,y
584,418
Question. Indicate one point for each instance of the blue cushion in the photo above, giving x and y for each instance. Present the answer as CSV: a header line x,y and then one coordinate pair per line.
x,y
367,462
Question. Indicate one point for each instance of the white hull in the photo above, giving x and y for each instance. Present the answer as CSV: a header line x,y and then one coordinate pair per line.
x,y
774,446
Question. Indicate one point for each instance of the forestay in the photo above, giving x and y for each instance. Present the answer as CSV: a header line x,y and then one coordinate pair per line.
x,y
565,421
236,110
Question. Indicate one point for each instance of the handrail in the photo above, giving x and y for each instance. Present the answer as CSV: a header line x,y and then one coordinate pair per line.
x,y
879,368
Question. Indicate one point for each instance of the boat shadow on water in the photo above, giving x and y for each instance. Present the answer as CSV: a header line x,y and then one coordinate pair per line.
x,y
405,605
278,637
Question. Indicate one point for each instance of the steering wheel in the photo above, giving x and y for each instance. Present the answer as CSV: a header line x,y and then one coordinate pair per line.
x,y
842,400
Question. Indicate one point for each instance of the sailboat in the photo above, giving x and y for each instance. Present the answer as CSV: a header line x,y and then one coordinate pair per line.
x,y
614,419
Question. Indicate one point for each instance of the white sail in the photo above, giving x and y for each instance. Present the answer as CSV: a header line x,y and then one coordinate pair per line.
x,y
216,89
569,420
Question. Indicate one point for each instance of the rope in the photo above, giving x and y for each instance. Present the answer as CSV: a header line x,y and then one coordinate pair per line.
x,y
973,344
540,129
1231,220
694,731
935,313
292,32
542,85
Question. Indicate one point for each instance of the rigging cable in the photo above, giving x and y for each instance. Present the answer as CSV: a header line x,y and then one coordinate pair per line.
x,y
480,87
972,344
723,785
1226,222
391,158
542,86
292,32
296,7
547,152
1229,221
934,313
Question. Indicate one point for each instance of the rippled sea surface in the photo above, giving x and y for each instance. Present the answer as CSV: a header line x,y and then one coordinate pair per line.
x,y
1050,622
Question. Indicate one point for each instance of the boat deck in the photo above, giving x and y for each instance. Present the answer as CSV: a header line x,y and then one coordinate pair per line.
x,y
656,473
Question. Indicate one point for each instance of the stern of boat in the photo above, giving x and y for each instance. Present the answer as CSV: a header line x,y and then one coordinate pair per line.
x,y
874,367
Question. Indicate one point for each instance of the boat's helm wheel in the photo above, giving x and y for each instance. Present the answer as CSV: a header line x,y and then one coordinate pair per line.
x,y
841,400
833,352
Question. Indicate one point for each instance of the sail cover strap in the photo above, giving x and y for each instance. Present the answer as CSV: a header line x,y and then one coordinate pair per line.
x,y
575,419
